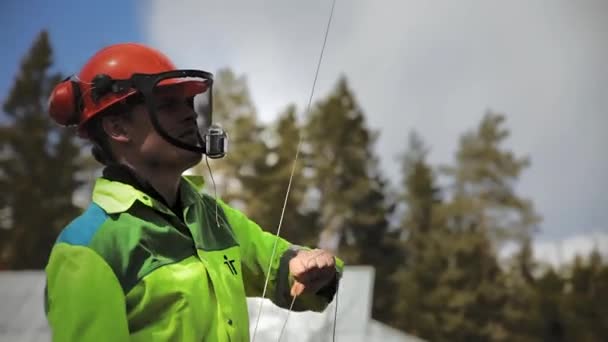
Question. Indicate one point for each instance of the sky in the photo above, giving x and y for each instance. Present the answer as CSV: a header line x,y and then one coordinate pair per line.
x,y
434,67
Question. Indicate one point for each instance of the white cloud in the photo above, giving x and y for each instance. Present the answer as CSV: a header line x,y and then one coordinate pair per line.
x,y
566,250
433,67
560,252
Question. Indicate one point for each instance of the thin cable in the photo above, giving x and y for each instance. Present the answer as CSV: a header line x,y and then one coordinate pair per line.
x,y
214,191
336,313
335,316
274,248
288,312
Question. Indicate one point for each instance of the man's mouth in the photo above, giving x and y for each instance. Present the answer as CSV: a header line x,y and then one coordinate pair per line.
x,y
188,133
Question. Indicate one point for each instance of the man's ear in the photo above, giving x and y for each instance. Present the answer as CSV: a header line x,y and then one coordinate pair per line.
x,y
115,128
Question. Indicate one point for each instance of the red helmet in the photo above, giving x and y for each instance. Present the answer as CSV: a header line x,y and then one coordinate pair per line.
x,y
79,98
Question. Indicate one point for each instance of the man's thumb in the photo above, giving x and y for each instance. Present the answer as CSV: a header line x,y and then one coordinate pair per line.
x,y
297,289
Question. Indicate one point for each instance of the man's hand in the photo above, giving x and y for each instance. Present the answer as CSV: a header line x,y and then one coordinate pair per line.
x,y
312,270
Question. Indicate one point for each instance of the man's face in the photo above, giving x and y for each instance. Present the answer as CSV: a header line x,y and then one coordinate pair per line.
x,y
176,116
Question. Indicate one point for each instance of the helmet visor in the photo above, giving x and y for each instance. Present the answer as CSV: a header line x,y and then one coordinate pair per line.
x,y
180,108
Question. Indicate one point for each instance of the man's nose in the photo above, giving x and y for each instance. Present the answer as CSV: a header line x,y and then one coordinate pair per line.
x,y
186,113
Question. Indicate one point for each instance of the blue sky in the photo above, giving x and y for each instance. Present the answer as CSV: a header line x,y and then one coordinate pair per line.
x,y
77,29
412,64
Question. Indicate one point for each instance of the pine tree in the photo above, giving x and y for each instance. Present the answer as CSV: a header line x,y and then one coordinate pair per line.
x,y
255,172
473,290
484,180
483,212
345,170
38,164
270,180
421,193
235,112
452,286
540,314
450,279
565,304
523,313
424,252
585,304
351,191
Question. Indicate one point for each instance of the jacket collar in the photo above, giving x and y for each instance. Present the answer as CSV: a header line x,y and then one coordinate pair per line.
x,y
119,187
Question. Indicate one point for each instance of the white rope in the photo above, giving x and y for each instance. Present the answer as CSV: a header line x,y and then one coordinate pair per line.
x,y
214,191
274,248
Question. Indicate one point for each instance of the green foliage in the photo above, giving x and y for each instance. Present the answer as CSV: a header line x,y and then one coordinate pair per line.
x,y
270,181
437,274
234,111
422,260
438,277
585,304
38,164
450,283
352,200
484,179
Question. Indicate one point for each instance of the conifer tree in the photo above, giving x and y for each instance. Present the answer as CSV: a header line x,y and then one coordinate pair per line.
x,y
234,111
270,181
38,164
352,195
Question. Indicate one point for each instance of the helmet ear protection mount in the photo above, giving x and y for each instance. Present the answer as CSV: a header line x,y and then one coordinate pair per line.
x,y
103,84
66,104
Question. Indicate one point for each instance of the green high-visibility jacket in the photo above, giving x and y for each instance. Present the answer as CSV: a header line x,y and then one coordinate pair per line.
x,y
129,269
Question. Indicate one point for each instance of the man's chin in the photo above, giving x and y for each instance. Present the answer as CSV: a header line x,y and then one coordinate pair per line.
x,y
191,159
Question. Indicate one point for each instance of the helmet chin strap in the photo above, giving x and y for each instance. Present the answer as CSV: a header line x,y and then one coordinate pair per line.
x,y
213,143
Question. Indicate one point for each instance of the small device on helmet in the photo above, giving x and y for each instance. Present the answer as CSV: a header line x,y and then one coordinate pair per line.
x,y
123,70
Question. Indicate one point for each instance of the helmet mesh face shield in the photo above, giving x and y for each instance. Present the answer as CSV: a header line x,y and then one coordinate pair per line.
x,y
180,105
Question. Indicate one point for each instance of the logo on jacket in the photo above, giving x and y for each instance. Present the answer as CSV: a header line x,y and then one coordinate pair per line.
x,y
230,264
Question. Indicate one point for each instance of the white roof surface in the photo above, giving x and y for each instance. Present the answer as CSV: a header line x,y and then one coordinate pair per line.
x,y
22,315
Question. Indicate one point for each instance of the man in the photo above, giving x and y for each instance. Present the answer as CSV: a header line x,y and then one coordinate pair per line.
x,y
153,259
